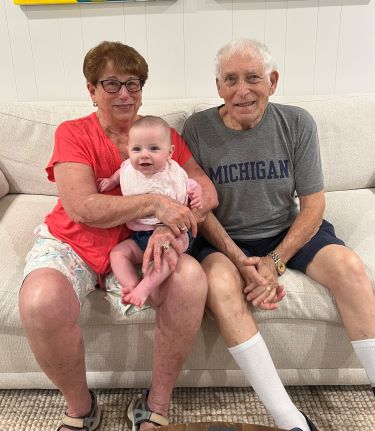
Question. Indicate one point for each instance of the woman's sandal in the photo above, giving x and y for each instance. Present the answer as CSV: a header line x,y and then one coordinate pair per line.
x,y
89,422
139,412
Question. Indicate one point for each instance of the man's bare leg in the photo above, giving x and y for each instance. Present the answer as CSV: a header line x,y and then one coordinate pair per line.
x,y
180,305
49,310
228,304
341,271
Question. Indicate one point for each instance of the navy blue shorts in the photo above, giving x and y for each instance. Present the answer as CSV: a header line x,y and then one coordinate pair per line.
x,y
141,238
201,248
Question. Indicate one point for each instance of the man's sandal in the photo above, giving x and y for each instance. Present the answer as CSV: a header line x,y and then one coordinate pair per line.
x,y
89,422
139,412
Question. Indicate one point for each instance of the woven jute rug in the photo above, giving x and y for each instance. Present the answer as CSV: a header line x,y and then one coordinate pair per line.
x,y
348,408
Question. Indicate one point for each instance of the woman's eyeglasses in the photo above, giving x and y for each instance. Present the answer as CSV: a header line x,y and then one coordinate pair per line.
x,y
113,85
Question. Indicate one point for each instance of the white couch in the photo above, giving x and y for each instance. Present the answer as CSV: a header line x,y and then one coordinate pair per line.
x,y
305,335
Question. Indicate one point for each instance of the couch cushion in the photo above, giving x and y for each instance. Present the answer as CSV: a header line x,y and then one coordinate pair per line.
x,y
351,211
346,136
305,300
27,136
27,132
19,215
347,141
352,214
4,186
175,112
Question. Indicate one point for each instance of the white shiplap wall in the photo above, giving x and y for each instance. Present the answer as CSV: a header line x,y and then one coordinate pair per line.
x,y
320,46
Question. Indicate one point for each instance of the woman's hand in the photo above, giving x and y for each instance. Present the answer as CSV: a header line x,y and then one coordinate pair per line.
x,y
159,244
176,216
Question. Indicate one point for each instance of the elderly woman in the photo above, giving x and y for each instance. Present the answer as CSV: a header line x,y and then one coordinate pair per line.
x,y
71,253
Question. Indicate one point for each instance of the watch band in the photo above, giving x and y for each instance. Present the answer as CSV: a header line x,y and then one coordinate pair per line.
x,y
280,265
274,255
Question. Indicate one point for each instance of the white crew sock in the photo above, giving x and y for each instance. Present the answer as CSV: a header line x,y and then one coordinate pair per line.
x,y
365,350
255,361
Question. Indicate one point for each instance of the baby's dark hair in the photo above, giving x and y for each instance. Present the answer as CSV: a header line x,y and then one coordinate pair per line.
x,y
151,121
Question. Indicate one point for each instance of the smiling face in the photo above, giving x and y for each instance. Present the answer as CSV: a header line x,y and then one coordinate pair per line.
x,y
115,108
245,88
149,148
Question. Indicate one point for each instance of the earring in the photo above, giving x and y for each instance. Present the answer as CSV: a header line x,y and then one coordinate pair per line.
x,y
94,104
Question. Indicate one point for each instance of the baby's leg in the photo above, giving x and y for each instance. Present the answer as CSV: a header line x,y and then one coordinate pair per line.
x,y
152,279
124,256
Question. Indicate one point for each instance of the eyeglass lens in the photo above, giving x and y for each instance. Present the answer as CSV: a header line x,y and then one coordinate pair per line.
x,y
113,85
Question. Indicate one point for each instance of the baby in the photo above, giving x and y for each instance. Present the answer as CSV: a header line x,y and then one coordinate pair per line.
x,y
149,169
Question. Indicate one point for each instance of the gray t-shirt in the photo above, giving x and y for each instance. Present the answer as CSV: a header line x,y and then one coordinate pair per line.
x,y
257,172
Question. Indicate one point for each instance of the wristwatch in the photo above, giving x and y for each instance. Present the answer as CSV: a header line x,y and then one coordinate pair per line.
x,y
280,265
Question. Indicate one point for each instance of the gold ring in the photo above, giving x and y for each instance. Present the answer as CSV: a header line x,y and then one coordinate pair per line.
x,y
183,228
268,288
165,247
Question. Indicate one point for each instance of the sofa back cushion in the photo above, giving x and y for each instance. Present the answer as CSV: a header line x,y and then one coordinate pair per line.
x,y
27,137
4,186
345,127
347,139
346,135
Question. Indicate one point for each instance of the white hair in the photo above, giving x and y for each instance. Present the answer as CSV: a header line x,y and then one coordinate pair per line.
x,y
245,47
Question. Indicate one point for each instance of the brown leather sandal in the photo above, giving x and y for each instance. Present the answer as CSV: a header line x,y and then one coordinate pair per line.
x,y
89,422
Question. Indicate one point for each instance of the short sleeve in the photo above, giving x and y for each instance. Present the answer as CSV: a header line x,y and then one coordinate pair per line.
x,y
70,146
190,137
307,161
181,152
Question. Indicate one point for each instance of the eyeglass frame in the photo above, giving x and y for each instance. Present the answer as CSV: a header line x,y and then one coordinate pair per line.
x,y
141,82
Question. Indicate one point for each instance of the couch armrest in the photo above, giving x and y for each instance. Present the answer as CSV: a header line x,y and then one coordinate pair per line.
x,y
4,186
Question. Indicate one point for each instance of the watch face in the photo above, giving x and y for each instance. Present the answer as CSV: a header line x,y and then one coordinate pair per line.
x,y
281,267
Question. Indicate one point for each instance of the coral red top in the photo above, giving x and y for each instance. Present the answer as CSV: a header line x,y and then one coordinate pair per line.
x,y
84,141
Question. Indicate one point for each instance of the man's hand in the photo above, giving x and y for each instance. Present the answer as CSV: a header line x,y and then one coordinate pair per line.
x,y
262,288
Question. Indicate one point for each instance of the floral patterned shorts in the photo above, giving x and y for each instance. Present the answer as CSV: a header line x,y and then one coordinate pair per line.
x,y
50,252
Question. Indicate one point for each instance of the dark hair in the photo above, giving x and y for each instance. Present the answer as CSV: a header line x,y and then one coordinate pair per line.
x,y
151,121
124,58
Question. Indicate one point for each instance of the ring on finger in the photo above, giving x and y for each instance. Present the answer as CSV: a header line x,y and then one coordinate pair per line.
x,y
182,228
165,247
268,288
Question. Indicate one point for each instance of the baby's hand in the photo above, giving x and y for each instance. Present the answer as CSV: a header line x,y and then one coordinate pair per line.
x,y
106,184
195,194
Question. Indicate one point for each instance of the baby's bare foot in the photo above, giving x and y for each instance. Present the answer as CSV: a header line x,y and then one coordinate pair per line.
x,y
132,298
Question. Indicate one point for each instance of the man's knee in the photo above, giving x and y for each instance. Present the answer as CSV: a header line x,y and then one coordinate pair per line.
x,y
345,269
349,265
224,280
225,288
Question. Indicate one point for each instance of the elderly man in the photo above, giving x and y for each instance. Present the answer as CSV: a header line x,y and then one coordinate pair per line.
x,y
259,155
